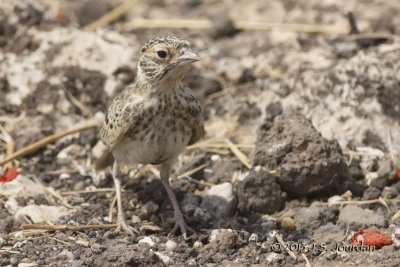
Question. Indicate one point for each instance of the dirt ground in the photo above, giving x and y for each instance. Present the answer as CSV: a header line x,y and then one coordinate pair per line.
x,y
315,117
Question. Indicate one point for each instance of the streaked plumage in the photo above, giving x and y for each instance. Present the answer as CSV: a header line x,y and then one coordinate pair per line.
x,y
154,119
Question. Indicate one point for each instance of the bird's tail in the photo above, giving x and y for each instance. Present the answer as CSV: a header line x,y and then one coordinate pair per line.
x,y
104,161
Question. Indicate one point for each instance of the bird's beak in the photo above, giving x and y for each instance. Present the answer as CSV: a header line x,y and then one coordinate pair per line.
x,y
187,57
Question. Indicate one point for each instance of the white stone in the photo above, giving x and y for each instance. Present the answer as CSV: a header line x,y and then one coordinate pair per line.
x,y
171,245
147,240
220,200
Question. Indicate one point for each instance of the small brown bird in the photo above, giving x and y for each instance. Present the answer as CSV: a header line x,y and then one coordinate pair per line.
x,y
154,119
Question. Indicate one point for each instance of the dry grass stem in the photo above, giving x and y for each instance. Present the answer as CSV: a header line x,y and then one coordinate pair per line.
x,y
6,137
190,172
114,14
359,202
280,240
306,259
87,191
49,139
66,227
239,154
239,24
112,205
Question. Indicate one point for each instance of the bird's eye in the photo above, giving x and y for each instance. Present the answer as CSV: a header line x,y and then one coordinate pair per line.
x,y
162,53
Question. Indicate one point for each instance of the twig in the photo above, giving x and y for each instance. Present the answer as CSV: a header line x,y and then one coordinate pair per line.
x,y
85,111
114,14
87,191
57,196
238,24
66,227
396,216
47,140
190,172
242,157
306,259
359,202
10,145
112,205
280,240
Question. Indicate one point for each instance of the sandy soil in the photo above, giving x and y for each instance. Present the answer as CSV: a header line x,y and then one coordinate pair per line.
x,y
317,116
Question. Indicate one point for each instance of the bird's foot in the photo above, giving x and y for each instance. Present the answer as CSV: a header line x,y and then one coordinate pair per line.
x,y
181,224
122,225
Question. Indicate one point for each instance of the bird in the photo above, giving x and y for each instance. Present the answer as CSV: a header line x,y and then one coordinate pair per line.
x,y
152,120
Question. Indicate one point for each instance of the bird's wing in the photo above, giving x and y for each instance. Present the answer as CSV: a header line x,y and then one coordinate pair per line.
x,y
119,118
197,131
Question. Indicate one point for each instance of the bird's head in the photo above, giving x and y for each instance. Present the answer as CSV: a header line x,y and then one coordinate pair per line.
x,y
164,60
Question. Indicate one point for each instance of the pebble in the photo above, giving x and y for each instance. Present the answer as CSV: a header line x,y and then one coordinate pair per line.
x,y
220,200
79,185
163,257
147,240
197,245
136,219
288,223
171,245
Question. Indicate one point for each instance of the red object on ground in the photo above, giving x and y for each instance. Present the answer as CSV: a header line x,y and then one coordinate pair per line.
x,y
371,239
398,173
9,175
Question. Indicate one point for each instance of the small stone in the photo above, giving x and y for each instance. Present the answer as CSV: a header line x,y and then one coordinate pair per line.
x,y
220,200
79,185
189,203
288,223
135,219
334,199
274,257
197,245
163,257
147,240
171,245
371,193
149,208
253,237
259,192
354,215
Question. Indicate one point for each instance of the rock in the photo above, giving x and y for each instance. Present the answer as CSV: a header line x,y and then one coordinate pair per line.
x,y
42,213
80,185
355,216
135,219
390,191
147,240
288,223
223,239
166,259
313,217
308,164
189,203
171,245
371,193
197,245
220,200
273,110
259,192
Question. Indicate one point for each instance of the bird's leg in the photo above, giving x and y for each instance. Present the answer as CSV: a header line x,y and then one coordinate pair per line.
x,y
178,216
121,222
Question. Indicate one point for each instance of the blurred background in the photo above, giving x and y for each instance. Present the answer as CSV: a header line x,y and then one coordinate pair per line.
x,y
301,102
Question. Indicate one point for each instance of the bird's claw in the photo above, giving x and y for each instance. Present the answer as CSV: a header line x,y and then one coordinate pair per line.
x,y
122,225
181,224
